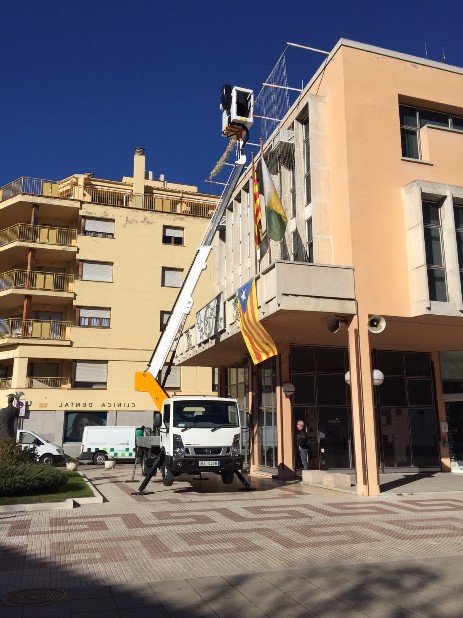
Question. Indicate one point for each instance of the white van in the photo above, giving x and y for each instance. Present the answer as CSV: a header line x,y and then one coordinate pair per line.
x,y
99,443
48,453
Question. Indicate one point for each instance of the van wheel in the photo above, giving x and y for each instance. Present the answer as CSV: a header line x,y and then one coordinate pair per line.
x,y
99,458
227,477
167,476
47,459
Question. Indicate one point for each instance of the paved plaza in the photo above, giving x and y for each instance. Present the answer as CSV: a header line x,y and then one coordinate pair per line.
x,y
200,548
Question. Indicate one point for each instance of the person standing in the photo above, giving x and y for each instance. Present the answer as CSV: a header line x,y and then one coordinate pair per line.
x,y
302,444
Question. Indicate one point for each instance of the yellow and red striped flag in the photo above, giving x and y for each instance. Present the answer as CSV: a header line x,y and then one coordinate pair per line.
x,y
258,233
259,343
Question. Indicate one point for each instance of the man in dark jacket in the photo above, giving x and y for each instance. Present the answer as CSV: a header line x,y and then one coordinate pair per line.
x,y
302,444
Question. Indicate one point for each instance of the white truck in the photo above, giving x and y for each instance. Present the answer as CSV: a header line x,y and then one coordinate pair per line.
x,y
99,443
196,434
47,452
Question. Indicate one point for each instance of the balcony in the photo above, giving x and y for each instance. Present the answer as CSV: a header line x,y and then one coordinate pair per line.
x,y
48,382
294,299
36,280
24,232
108,196
5,383
12,329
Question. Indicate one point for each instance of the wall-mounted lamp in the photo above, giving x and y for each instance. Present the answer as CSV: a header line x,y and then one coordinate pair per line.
x,y
377,377
288,389
333,323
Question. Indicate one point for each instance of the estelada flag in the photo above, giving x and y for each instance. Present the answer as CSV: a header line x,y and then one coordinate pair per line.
x,y
259,343
258,233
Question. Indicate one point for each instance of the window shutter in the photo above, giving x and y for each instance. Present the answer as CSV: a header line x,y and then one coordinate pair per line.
x,y
94,313
174,231
172,278
97,271
96,372
104,226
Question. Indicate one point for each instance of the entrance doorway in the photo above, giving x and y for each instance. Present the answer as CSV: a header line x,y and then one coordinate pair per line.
x,y
454,414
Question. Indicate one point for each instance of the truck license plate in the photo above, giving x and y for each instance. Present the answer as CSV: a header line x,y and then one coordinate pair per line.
x,y
209,463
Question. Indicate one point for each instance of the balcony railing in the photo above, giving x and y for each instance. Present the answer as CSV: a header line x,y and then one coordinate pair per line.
x,y
35,280
34,329
24,232
48,382
108,196
5,382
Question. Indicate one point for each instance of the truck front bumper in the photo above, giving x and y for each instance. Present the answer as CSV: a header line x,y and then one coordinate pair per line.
x,y
193,465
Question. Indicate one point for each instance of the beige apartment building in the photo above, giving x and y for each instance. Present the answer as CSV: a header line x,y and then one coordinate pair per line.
x,y
90,270
369,165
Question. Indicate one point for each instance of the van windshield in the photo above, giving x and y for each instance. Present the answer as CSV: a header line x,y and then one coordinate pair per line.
x,y
188,414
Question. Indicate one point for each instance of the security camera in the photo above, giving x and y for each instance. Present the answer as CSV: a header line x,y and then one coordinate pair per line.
x,y
333,323
376,324
244,360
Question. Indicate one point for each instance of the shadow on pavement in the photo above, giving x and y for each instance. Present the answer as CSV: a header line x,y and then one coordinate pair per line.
x,y
391,589
406,479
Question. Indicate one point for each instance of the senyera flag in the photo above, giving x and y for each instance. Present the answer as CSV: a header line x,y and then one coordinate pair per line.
x,y
259,343
258,233
275,214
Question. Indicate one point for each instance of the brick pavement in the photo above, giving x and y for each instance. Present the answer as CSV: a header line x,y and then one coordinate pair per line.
x,y
200,549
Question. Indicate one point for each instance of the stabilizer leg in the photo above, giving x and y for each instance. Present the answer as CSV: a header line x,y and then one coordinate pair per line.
x,y
247,486
157,463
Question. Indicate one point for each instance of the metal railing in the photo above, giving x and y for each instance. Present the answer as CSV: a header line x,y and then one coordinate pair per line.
x,y
108,196
48,382
36,280
5,382
34,329
25,232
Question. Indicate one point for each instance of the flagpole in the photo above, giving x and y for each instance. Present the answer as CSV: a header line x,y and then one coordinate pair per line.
x,y
268,239
254,216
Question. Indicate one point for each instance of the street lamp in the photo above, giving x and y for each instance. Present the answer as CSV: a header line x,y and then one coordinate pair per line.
x,y
377,377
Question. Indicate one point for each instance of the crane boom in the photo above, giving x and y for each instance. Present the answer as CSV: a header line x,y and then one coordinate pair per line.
x,y
184,302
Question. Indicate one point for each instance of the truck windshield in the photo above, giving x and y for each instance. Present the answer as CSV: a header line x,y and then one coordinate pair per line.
x,y
207,414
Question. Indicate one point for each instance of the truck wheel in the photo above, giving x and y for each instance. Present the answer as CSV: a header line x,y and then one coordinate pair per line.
x,y
227,477
47,459
99,458
145,468
167,476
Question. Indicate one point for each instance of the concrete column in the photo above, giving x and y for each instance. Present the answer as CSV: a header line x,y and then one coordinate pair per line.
x,y
18,378
444,451
363,409
284,420
139,171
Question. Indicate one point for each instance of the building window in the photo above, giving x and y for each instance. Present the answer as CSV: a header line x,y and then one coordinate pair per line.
x,y
75,422
215,379
174,379
458,215
306,149
309,240
164,318
96,271
91,374
292,192
437,285
412,119
172,277
172,235
93,317
103,228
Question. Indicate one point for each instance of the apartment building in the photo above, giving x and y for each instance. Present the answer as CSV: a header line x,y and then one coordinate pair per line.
x,y
369,166
90,270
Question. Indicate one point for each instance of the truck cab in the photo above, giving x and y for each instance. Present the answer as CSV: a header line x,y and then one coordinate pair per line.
x,y
47,452
200,434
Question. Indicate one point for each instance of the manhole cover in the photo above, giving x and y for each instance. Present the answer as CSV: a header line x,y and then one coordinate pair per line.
x,y
34,596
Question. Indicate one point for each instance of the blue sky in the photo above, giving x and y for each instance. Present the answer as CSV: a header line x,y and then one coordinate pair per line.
x,y
84,82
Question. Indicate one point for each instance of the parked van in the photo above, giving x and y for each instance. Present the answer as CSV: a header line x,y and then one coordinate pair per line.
x,y
99,443
48,453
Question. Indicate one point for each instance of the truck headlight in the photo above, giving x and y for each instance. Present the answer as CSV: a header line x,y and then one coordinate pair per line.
x,y
179,449
236,447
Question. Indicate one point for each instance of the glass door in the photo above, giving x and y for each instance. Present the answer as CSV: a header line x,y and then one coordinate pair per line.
x,y
454,412
267,417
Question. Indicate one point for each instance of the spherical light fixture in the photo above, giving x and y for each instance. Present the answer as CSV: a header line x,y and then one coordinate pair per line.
x,y
288,389
378,377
